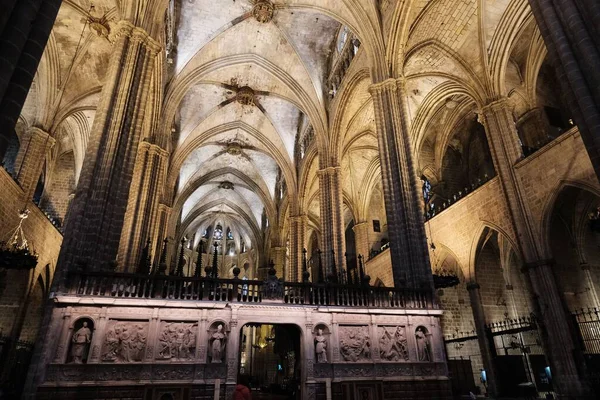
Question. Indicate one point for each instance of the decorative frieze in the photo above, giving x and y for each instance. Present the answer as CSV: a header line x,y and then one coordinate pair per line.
x,y
339,345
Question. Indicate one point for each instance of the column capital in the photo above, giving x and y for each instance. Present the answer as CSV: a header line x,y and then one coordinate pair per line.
x,y
298,218
584,266
537,264
503,103
38,136
278,248
39,132
152,149
165,208
329,171
386,85
126,28
473,286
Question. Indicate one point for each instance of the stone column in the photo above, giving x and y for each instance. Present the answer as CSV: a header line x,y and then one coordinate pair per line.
x,y
554,323
335,340
98,337
570,31
332,219
153,334
278,258
64,339
484,345
297,243
159,232
361,237
29,163
24,30
556,331
143,213
233,351
93,234
202,339
408,243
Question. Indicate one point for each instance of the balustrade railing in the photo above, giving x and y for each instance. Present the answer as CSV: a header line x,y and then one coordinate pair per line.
x,y
137,286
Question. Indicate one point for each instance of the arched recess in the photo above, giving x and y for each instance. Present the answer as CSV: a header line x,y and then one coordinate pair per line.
x,y
35,309
529,81
466,161
457,319
58,191
573,237
496,268
377,221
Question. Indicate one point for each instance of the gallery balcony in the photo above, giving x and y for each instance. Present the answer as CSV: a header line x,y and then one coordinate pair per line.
x,y
117,285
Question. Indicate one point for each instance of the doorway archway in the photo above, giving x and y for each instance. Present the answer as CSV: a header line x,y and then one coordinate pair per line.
x,y
270,360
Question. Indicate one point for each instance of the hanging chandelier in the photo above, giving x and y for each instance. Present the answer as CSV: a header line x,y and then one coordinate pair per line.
x,y
443,278
15,252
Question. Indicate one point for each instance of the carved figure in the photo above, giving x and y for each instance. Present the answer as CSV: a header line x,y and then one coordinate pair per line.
x,y
355,344
81,341
423,345
218,344
177,341
321,347
125,343
393,347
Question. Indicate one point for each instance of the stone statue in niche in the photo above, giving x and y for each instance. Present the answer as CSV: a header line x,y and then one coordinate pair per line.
x,y
125,342
321,347
80,343
423,344
177,341
218,342
355,344
393,346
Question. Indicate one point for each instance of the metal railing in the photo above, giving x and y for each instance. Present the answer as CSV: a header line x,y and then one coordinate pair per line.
x,y
588,322
272,290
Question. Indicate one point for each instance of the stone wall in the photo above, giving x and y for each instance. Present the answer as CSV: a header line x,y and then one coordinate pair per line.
x,y
62,184
43,237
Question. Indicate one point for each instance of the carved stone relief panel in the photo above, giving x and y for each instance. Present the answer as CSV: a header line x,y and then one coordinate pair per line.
x,y
176,341
125,341
355,343
393,344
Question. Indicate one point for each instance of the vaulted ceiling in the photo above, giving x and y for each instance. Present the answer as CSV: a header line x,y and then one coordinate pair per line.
x,y
245,78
